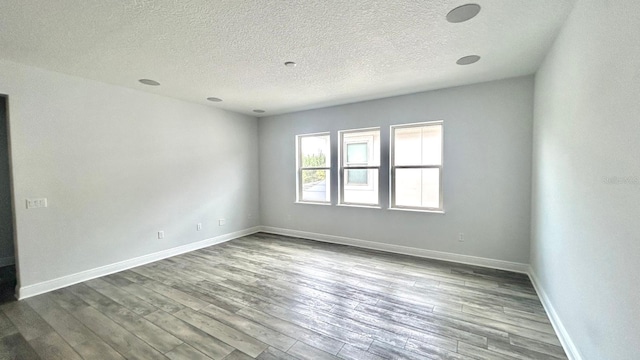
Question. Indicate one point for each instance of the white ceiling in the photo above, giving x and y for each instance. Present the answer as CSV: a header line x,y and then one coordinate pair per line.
x,y
347,51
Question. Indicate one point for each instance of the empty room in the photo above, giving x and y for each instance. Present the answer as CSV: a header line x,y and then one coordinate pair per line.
x,y
352,179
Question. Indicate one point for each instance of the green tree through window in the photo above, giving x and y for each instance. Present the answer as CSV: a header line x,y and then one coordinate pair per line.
x,y
313,160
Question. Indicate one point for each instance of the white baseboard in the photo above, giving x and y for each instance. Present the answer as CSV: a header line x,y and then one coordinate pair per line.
x,y
405,250
567,344
50,285
5,261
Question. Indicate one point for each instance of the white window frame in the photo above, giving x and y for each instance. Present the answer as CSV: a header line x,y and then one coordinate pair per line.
x,y
393,167
300,169
342,180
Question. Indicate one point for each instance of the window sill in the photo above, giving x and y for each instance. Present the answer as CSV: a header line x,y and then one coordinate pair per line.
x,y
418,210
360,206
312,203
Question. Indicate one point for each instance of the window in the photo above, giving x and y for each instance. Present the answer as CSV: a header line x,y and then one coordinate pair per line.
x,y
416,166
314,168
359,167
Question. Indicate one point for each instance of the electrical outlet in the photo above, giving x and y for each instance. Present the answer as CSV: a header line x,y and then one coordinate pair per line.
x,y
160,234
461,237
199,227
222,222
36,203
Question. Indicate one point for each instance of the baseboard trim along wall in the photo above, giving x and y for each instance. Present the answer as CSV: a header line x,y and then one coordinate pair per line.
x,y
567,344
404,250
68,280
5,261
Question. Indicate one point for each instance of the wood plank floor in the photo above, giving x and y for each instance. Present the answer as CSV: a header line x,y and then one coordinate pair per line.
x,y
271,297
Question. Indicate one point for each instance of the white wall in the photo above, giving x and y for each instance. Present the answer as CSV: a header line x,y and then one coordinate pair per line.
x,y
116,166
6,223
487,171
585,247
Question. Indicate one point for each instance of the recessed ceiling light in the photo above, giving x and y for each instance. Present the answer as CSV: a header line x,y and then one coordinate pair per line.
x,y
468,60
258,111
463,13
149,82
290,64
214,99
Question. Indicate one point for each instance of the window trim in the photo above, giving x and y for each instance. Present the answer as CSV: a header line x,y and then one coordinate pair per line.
x,y
300,169
342,182
393,167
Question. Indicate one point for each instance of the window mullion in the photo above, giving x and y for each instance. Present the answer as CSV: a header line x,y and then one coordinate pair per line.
x,y
418,167
359,167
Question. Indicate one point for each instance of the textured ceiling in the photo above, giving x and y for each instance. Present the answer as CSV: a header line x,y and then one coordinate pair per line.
x,y
349,50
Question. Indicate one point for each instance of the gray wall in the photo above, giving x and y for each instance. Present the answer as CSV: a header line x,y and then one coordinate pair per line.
x,y
585,246
487,171
6,224
118,165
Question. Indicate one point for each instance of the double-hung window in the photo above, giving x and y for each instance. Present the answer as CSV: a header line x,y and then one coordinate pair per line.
x,y
359,167
416,166
314,168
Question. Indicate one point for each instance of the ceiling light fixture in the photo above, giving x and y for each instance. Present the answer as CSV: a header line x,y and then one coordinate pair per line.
x,y
290,64
214,99
463,13
149,82
258,111
468,60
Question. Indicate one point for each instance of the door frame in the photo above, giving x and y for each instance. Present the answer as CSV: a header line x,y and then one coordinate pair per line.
x,y
5,98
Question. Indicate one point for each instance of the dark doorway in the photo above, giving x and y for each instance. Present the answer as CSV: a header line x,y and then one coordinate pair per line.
x,y
7,253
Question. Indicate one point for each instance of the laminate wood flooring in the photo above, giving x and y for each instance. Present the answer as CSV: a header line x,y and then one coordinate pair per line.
x,y
273,297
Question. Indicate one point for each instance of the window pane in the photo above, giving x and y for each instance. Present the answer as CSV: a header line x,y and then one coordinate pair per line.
x,y
362,191
357,177
432,145
361,148
418,187
418,145
315,186
357,153
314,151
407,142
